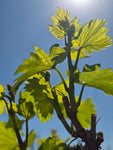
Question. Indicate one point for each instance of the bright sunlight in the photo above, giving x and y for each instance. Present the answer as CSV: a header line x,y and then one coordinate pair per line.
x,y
82,4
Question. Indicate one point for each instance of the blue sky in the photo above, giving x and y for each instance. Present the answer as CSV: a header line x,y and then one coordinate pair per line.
x,y
23,25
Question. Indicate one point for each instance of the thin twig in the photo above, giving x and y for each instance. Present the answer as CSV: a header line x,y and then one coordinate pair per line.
x,y
12,115
65,85
60,115
79,101
26,140
76,63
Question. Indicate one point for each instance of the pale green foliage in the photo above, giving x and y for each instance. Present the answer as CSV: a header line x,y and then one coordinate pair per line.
x,y
92,37
38,62
61,23
85,110
57,54
26,107
8,140
2,105
40,92
2,91
53,142
100,79
31,137
53,134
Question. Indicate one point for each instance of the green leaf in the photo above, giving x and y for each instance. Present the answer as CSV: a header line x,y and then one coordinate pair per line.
x,y
85,110
75,23
31,138
2,91
88,68
26,107
2,105
52,144
49,144
56,31
62,146
92,37
38,62
100,79
57,54
8,140
63,25
40,90
61,22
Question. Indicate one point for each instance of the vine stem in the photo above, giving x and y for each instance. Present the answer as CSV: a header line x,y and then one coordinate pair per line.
x,y
79,100
12,115
60,115
71,78
65,85
76,63
26,140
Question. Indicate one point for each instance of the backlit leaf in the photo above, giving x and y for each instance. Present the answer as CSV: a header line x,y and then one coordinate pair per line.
x,y
63,24
38,62
31,138
2,91
2,105
100,79
75,23
8,140
92,37
85,110
57,54
61,21
26,107
40,90
49,144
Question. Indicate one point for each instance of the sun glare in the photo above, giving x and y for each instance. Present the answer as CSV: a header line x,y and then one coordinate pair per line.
x,y
81,3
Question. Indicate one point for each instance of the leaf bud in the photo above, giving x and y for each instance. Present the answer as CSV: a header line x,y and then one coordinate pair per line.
x,y
47,75
9,87
100,135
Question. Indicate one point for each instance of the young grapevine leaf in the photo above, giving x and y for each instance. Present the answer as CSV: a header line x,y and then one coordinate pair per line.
x,y
2,91
2,105
40,90
92,36
63,25
49,144
31,138
8,138
100,79
53,134
57,54
26,107
85,110
38,62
